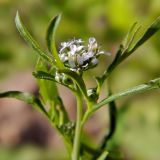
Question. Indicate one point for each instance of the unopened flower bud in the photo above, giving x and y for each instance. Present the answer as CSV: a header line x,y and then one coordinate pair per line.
x,y
92,94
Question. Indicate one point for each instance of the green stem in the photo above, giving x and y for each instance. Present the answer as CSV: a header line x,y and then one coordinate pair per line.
x,y
78,130
152,84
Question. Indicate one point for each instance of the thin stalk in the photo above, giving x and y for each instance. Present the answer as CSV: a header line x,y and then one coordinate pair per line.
x,y
152,84
78,130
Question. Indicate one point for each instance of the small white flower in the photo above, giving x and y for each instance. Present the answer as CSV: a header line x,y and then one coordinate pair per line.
x,y
85,56
73,48
79,48
76,55
71,62
94,61
63,57
92,40
80,60
90,54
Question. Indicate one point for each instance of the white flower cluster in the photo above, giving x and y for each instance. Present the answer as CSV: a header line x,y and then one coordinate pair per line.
x,y
78,56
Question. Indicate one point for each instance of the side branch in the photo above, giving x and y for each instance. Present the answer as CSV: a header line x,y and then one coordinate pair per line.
x,y
152,84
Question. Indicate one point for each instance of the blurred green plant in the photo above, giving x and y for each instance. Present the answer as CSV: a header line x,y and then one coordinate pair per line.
x,y
66,67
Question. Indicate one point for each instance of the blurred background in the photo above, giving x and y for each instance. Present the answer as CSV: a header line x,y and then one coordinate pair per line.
x,y
24,133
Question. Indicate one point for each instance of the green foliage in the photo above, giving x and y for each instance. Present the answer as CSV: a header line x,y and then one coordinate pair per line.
x,y
79,81
26,35
52,71
127,47
47,88
50,37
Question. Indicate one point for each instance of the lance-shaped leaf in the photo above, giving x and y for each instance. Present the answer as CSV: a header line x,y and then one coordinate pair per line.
x,y
50,37
155,26
29,39
46,88
50,77
49,92
130,34
152,84
26,97
44,75
127,47
123,48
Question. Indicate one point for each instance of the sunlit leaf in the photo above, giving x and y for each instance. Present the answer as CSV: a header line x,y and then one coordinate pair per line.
x,y
46,88
27,36
127,48
49,92
53,25
46,76
155,26
153,84
127,38
50,37
122,52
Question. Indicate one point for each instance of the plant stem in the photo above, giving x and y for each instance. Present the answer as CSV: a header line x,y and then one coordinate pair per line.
x,y
152,84
78,130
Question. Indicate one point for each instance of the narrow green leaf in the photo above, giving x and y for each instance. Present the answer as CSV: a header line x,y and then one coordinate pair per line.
x,y
152,84
51,31
50,37
49,92
44,75
29,39
47,88
122,52
127,48
155,26
127,37
132,38
26,97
